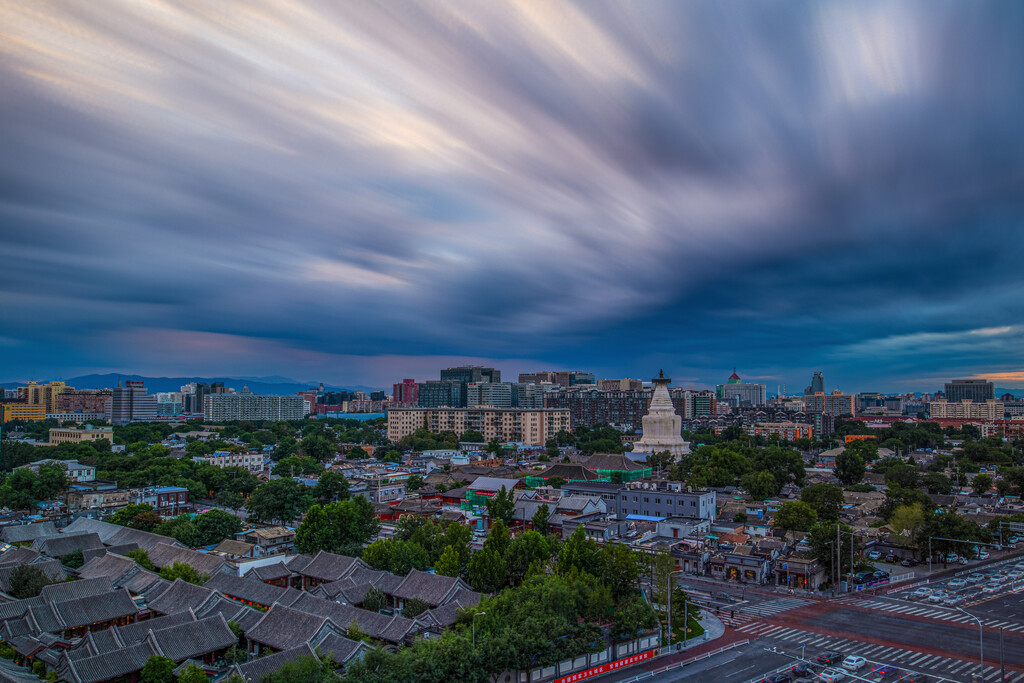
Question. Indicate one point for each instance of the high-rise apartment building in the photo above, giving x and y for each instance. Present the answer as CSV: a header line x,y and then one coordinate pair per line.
x,y
624,384
977,390
88,401
222,407
968,410
564,378
532,427
406,393
497,394
836,403
44,394
131,403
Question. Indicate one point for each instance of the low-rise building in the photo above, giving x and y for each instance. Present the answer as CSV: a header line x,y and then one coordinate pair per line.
x,y
80,435
250,461
271,540
664,499
77,472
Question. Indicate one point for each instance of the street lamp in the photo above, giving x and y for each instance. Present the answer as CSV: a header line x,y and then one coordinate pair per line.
x,y
478,614
981,642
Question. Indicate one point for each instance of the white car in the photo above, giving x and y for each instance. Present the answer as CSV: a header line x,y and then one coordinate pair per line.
x,y
874,555
1014,575
832,676
920,593
937,596
982,555
956,584
975,578
991,588
854,663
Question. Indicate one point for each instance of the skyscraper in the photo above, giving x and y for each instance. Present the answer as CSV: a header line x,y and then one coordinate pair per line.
x,y
977,390
131,403
739,394
817,384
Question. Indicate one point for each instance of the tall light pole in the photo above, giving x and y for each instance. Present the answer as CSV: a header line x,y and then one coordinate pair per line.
x,y
981,634
478,614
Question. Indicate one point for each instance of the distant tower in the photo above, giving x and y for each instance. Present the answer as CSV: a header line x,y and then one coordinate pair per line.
x,y
817,384
662,427
734,378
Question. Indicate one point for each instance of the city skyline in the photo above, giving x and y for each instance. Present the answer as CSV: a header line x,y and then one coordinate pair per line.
x,y
357,195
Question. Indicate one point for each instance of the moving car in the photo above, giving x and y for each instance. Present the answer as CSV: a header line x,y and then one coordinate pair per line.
x,y
854,663
828,657
990,588
938,596
953,600
956,584
975,578
920,593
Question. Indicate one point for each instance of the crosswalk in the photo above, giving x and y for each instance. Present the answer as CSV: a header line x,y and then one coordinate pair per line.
x,y
770,608
921,610
934,665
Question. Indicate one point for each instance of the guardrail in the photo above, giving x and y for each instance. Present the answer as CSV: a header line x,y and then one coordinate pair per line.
x,y
678,665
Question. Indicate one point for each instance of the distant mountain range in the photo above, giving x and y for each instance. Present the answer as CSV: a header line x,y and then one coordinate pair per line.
x,y
258,385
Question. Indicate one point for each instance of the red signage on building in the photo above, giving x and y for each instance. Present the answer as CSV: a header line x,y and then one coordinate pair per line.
x,y
606,668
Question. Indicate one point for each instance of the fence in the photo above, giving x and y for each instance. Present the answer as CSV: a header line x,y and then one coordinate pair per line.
x,y
678,665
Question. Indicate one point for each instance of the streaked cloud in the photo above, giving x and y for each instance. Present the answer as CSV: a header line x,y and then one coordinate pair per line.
x,y
831,185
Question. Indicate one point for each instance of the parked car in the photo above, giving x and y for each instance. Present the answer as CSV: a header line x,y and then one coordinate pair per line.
x,y
912,677
883,670
952,557
832,675
962,560
874,555
854,663
828,657
881,575
908,563
864,577
774,678
982,555
890,558
801,669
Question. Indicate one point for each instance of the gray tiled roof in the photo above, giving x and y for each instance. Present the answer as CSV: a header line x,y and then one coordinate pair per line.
x,y
165,555
340,649
142,582
12,673
16,556
84,525
194,639
297,563
95,608
284,628
144,539
231,611
264,666
113,567
49,566
68,590
431,588
330,567
379,626
108,665
179,596
22,533
270,572
58,546
252,590
137,632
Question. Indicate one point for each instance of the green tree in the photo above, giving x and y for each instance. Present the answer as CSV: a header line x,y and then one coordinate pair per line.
x,y
795,515
822,539
375,600
760,485
125,515
193,674
502,506
216,525
279,500
414,483
396,556
448,564
146,521
488,571
142,558
185,572
499,538
181,529
471,436
27,581
529,550
297,466
937,483
578,554
340,527
619,568
331,487
357,453
540,519
826,499
907,519
850,466
230,500
319,447
157,670
981,484
414,608
74,559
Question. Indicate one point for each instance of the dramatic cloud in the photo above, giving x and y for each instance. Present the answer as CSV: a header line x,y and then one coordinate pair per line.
x,y
359,191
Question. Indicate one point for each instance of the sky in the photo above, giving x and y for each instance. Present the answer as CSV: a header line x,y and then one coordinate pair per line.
x,y
359,192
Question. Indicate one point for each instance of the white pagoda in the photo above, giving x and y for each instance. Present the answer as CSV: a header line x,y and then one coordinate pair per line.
x,y
662,427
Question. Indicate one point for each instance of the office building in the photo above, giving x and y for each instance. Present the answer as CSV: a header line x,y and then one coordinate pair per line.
x,y
438,393
87,401
226,407
131,403
664,499
817,384
976,390
740,395
531,427
563,378
624,384
11,411
497,394
967,410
